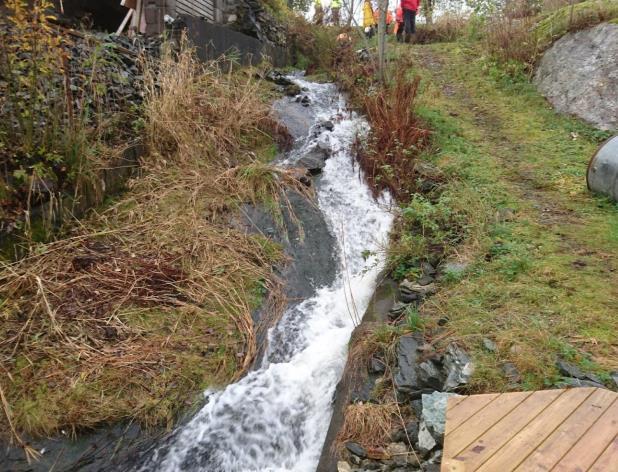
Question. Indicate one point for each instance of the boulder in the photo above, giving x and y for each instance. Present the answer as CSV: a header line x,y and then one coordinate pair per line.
x,y
378,366
292,90
458,367
327,125
397,310
426,442
406,379
314,160
571,370
579,75
278,78
434,413
425,280
430,374
489,345
568,382
511,372
343,466
407,435
356,449
410,291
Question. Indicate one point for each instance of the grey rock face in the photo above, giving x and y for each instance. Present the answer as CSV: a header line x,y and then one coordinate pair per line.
x,y
579,75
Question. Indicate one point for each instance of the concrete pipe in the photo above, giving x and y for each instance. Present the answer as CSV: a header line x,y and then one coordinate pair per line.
x,y
602,174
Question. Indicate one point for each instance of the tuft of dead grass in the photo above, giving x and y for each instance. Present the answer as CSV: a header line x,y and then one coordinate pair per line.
x,y
368,424
147,303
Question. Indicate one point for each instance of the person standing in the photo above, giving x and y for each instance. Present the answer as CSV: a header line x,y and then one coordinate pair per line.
x,y
335,8
409,8
399,24
318,16
368,18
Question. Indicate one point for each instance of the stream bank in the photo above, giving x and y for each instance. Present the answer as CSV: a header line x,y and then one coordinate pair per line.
x,y
518,271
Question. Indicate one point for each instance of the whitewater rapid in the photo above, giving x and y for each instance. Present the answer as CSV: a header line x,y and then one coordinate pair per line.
x,y
277,416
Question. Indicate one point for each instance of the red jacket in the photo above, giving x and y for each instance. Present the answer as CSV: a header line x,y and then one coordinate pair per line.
x,y
399,15
410,4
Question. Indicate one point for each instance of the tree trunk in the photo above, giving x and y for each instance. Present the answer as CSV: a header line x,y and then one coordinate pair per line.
x,y
428,10
382,6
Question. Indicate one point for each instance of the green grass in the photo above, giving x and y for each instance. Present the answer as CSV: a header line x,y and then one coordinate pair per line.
x,y
541,276
584,14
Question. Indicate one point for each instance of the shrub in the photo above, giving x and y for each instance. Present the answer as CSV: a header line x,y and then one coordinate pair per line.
x,y
396,138
56,114
523,38
313,47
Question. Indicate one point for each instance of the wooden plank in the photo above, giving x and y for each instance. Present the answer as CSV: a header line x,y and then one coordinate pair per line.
x,y
608,460
501,432
480,422
519,447
452,402
466,409
568,433
592,444
196,7
193,11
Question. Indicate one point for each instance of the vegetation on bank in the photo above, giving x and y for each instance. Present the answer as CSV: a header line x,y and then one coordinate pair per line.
x,y
496,199
134,311
535,272
66,117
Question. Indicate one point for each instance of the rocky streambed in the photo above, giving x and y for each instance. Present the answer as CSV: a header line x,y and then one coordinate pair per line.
x,y
423,378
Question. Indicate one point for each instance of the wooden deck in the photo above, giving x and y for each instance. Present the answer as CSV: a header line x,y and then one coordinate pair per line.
x,y
557,430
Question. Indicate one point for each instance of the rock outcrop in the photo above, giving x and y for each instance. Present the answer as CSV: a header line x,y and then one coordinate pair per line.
x,y
579,75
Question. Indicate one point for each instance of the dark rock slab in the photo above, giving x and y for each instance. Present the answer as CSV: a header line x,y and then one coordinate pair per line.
x,y
356,449
568,382
314,160
406,378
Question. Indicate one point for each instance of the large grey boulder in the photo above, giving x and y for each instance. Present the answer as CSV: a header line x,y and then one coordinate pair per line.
x,y
579,75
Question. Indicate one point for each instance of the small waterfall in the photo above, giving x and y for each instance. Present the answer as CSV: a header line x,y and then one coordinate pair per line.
x,y
276,417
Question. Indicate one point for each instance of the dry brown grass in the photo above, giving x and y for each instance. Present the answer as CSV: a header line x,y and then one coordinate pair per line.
x,y
448,27
369,424
513,39
396,139
145,304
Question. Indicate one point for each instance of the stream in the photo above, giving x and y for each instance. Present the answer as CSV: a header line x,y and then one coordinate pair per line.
x,y
277,416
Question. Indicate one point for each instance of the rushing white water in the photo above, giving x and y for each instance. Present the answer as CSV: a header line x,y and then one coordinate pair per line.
x,y
276,417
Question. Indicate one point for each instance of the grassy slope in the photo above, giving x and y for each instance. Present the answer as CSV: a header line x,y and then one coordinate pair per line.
x,y
541,278
94,344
